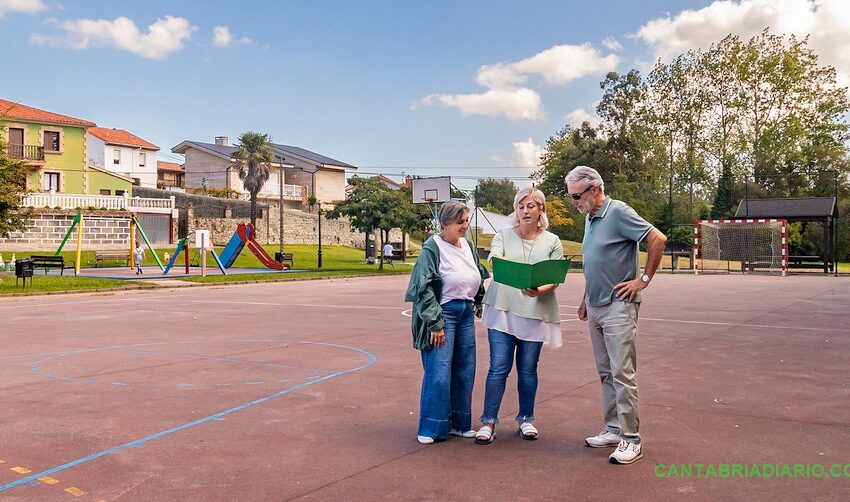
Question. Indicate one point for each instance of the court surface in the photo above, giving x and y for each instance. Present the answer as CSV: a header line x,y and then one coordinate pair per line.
x,y
309,391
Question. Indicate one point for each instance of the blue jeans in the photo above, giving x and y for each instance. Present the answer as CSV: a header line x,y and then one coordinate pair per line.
x,y
446,401
502,348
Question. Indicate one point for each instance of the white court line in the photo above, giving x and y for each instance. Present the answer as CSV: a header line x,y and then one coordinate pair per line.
x,y
267,304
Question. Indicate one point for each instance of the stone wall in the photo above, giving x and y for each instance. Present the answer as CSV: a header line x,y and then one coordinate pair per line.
x,y
299,227
101,230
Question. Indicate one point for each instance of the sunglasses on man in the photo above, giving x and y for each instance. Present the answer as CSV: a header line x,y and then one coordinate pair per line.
x,y
577,196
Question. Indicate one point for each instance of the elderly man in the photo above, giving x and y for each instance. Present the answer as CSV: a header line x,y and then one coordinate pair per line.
x,y
611,301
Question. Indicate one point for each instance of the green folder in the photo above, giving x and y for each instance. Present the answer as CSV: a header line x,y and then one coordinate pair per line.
x,y
529,275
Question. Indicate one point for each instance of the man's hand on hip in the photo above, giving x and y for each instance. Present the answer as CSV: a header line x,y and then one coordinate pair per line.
x,y
626,291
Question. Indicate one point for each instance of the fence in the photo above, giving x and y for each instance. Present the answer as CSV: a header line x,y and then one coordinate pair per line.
x,y
114,202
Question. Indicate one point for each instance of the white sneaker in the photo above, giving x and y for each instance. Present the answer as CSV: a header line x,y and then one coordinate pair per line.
x,y
467,434
626,453
603,439
425,439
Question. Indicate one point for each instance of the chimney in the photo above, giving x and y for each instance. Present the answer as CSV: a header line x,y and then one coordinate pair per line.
x,y
221,140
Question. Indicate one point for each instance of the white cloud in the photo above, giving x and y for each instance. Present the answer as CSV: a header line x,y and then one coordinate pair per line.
x,y
515,104
22,6
526,154
164,36
222,36
506,94
612,44
579,115
827,22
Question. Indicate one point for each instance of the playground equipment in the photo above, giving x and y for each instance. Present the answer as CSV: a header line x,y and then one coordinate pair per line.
x,y
244,236
134,226
183,245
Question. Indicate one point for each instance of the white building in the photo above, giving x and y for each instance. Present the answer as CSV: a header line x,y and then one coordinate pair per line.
x,y
122,153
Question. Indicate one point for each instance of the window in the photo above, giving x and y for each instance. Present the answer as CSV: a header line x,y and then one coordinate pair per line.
x,y
142,159
116,156
105,191
51,182
120,192
51,141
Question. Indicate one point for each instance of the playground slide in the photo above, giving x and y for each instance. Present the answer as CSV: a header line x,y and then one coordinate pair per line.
x,y
232,250
246,233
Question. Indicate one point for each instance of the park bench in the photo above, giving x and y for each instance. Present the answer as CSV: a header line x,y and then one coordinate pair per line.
x,y
47,262
283,258
100,256
805,262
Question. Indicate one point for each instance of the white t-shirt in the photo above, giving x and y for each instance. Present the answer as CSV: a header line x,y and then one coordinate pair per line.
x,y
388,250
461,278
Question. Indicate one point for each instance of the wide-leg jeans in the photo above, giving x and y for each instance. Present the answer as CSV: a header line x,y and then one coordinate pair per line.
x,y
446,401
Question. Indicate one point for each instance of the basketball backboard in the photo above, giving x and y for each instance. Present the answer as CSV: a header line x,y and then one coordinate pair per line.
x,y
429,190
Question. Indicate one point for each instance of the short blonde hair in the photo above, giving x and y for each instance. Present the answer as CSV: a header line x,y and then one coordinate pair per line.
x,y
538,197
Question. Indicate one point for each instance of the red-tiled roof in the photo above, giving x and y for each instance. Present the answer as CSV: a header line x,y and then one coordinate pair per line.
x,y
161,165
121,137
11,110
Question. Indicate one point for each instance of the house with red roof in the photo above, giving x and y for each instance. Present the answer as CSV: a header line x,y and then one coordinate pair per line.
x,y
123,153
52,148
169,174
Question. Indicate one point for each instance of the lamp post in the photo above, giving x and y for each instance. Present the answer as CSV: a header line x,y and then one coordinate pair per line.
x,y
280,207
319,203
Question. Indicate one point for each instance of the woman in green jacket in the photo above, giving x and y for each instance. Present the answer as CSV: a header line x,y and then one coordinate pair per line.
x,y
446,288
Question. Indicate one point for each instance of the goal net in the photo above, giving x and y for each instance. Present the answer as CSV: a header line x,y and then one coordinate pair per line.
x,y
751,245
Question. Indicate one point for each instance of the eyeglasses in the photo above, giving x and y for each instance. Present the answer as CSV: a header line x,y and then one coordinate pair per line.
x,y
577,196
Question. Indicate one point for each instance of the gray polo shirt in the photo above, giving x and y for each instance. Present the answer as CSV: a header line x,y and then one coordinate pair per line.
x,y
610,250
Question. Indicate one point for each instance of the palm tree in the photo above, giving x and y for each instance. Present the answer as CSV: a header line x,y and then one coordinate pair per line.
x,y
253,158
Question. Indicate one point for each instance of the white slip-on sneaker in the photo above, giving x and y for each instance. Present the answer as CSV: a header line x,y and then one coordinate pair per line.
x,y
425,439
468,434
626,453
603,439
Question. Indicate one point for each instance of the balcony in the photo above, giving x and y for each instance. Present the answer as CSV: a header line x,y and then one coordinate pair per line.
x,y
25,152
114,202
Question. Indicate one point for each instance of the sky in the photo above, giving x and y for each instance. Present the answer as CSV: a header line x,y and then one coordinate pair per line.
x,y
467,89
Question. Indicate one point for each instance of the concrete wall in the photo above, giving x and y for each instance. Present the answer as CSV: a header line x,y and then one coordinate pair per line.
x,y
101,230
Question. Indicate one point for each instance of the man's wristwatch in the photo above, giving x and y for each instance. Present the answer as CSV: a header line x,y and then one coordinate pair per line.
x,y
645,278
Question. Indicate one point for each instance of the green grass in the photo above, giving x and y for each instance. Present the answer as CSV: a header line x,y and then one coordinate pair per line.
x,y
336,261
48,283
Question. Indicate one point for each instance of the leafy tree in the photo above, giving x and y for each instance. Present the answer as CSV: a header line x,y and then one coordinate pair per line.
x,y
12,188
496,195
253,158
371,205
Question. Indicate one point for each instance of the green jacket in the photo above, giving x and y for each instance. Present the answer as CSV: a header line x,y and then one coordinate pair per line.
x,y
425,290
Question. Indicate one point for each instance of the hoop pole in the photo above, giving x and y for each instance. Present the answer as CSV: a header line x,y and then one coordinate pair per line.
x,y
697,258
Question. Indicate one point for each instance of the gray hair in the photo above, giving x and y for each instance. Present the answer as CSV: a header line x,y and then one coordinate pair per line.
x,y
451,212
587,174
538,197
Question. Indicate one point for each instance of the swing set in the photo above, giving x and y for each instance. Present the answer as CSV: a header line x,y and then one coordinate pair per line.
x,y
78,223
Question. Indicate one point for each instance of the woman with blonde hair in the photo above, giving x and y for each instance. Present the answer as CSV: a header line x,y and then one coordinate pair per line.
x,y
518,321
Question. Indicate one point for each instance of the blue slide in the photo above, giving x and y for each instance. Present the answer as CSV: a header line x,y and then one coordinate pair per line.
x,y
231,250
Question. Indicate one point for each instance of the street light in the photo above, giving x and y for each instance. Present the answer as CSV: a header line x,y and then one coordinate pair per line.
x,y
280,207
319,204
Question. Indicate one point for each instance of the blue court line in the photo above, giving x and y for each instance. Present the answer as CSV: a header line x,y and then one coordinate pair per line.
x,y
138,443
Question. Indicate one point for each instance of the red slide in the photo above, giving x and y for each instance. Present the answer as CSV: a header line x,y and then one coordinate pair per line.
x,y
246,233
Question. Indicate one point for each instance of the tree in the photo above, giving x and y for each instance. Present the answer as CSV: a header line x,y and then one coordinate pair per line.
x,y
12,188
496,195
253,158
371,205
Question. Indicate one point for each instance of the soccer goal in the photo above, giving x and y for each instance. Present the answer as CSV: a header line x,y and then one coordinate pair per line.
x,y
748,245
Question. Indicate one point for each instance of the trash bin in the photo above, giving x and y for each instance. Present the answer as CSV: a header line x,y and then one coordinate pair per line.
x,y
24,268
370,249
